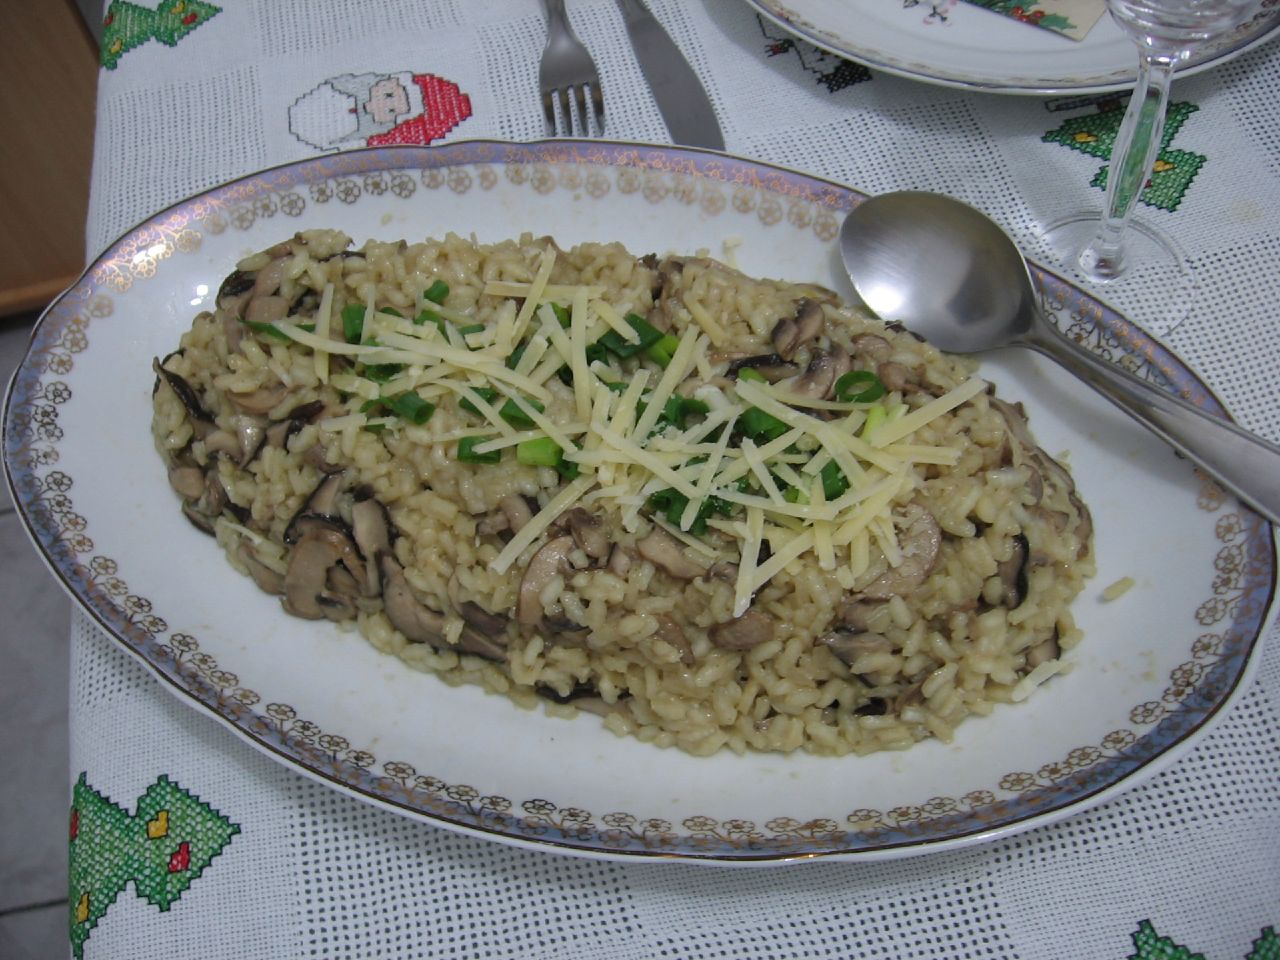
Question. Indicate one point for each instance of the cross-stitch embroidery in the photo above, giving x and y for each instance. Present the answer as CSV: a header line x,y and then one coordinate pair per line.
x,y
162,848
128,25
1095,134
377,109
834,73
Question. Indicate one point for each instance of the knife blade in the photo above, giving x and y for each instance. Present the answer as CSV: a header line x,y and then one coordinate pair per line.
x,y
681,98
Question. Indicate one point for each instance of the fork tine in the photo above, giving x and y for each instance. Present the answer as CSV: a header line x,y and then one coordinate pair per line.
x,y
549,110
597,103
580,101
565,128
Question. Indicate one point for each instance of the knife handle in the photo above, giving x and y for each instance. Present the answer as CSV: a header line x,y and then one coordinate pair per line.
x,y
633,10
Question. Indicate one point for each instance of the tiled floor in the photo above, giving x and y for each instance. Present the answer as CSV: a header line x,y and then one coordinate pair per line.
x,y
33,728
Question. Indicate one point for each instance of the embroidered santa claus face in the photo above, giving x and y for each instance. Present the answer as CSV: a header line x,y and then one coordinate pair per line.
x,y
372,109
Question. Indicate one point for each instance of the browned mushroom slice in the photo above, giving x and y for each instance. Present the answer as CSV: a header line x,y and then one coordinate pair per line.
x,y
669,632
267,281
323,502
323,544
824,369
769,365
587,532
260,401
920,542
481,620
871,347
857,614
206,509
849,645
266,310
724,571
187,479
791,333
894,376
371,527
745,632
267,579
279,432
1013,573
584,696
201,420
235,292
418,622
551,559
665,551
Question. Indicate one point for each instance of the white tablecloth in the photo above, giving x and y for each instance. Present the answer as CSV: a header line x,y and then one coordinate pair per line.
x,y
1187,865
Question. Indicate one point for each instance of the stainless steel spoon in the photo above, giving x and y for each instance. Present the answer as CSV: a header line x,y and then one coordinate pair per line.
x,y
949,273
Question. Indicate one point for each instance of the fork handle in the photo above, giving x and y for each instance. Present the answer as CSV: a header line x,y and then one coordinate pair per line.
x,y
633,10
555,9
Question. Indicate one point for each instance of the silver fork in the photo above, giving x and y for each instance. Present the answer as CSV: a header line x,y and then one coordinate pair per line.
x,y
568,78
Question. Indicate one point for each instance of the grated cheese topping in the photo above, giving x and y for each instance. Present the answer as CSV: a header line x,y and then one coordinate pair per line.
x,y
666,439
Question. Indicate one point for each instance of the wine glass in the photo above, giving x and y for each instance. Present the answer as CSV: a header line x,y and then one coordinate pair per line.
x,y
1130,262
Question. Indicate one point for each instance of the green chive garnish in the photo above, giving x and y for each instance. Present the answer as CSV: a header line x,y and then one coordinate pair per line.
x,y
859,386
539,452
487,394
563,315
759,425
437,292
467,452
615,344
750,373
834,481
353,322
411,406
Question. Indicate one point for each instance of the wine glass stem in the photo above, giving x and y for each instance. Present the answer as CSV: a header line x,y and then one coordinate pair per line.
x,y
1132,156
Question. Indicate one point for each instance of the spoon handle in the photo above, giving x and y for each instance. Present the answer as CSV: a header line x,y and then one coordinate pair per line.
x,y
1246,465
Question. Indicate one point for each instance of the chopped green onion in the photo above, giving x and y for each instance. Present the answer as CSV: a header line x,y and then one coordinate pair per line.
x,y
382,372
269,329
429,316
437,292
618,388
412,407
620,347
750,373
563,315
678,409
859,386
487,394
353,322
834,481
875,417
795,495
662,351
391,310
512,413
514,360
471,328
759,425
539,452
467,452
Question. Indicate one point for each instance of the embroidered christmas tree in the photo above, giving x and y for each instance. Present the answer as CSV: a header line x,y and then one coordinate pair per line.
x,y
1266,947
162,848
128,25
1173,171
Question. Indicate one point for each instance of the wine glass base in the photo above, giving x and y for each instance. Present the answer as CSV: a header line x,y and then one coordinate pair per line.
x,y
1152,287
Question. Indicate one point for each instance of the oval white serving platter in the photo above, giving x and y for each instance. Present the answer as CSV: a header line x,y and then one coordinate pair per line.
x,y
957,44
1156,667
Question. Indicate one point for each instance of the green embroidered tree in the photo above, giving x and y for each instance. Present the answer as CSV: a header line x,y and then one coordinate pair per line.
x,y
128,25
1152,946
1266,947
1095,135
162,848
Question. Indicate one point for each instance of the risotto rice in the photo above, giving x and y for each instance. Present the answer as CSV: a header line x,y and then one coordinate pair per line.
x,y
718,511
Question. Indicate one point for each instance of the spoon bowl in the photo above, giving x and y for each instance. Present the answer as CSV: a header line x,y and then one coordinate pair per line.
x,y
949,273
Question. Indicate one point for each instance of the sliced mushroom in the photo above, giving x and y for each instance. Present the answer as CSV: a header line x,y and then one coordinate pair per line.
x,y
584,696
791,333
769,365
665,551
267,281
587,532
187,479
206,509
323,502
849,645
308,591
724,571
418,623
371,527
824,369
235,292
201,420
267,579
920,542
871,347
669,632
857,614
278,433
481,620
1013,573
260,401
551,558
894,376
745,632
